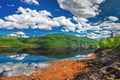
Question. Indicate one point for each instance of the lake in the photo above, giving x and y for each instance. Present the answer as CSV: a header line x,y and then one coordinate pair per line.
x,y
22,61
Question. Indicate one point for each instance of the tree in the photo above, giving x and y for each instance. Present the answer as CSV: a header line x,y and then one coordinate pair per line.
x,y
116,41
103,43
110,42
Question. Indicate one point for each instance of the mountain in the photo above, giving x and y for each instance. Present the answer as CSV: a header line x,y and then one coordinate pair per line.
x,y
50,40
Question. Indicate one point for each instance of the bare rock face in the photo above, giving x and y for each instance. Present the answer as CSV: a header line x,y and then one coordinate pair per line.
x,y
111,72
105,67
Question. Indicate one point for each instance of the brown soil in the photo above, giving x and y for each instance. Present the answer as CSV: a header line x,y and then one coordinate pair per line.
x,y
60,70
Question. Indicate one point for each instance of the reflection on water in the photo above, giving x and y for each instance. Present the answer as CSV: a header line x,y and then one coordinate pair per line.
x,y
48,52
18,61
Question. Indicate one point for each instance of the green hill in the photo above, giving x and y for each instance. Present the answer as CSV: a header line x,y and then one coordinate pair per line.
x,y
50,40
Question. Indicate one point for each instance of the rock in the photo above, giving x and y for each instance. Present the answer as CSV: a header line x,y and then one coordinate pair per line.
x,y
105,67
112,70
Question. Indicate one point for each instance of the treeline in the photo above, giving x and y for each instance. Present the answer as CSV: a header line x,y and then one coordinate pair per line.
x,y
51,40
6,41
111,42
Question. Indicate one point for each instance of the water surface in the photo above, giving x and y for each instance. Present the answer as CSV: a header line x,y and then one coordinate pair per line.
x,y
17,61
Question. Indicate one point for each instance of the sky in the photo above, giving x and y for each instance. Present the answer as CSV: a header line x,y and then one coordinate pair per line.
x,y
91,18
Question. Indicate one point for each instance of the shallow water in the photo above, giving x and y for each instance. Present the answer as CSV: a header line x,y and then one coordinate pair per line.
x,y
25,61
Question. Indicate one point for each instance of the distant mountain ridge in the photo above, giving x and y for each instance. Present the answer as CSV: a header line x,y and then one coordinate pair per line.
x,y
50,40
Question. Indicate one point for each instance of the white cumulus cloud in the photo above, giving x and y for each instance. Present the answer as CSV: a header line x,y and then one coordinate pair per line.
x,y
113,18
93,35
112,26
80,19
81,8
18,34
28,18
31,2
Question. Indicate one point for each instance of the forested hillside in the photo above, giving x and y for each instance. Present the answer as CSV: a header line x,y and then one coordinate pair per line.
x,y
50,40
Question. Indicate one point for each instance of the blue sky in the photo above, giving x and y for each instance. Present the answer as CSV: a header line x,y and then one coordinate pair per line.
x,y
91,18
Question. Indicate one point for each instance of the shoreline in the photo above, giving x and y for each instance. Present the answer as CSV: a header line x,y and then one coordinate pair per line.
x,y
60,70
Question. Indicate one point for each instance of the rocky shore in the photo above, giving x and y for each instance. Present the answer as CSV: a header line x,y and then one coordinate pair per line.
x,y
105,67
101,65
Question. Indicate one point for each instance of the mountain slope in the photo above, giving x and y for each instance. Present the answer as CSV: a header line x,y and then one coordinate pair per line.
x,y
51,40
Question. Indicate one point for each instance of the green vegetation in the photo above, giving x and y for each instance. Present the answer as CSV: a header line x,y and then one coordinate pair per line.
x,y
10,42
52,45
49,41
49,52
111,42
